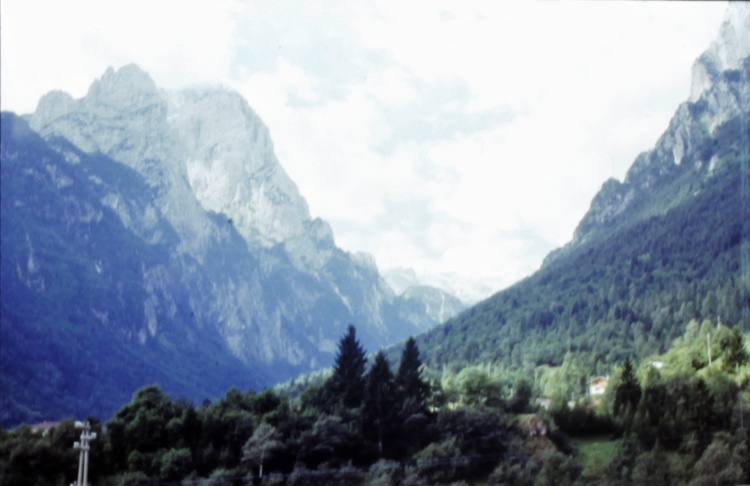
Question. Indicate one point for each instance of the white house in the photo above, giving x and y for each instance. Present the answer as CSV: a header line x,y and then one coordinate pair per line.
x,y
598,385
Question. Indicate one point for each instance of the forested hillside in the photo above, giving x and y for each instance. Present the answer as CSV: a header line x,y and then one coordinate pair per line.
x,y
678,251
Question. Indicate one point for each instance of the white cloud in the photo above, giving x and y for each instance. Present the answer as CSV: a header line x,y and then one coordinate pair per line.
x,y
66,45
463,140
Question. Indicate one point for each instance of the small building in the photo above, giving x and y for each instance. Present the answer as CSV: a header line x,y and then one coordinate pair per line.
x,y
598,385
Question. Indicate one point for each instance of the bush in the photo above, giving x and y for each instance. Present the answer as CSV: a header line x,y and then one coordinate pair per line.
x,y
558,470
344,476
176,464
441,462
131,479
385,473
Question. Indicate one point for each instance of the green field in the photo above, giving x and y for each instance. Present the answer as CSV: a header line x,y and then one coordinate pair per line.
x,y
595,453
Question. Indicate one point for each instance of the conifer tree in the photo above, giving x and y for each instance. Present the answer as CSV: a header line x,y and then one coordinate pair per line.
x,y
346,385
379,407
627,394
412,388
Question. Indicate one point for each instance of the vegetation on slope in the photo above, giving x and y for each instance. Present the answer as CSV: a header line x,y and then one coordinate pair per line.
x,y
371,425
626,293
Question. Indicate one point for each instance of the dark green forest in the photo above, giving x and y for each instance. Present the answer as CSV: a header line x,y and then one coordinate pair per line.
x,y
370,423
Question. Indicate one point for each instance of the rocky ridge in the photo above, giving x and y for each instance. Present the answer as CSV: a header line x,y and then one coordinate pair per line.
x,y
715,97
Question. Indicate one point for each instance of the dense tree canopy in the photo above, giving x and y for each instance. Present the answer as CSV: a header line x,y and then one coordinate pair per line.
x,y
489,430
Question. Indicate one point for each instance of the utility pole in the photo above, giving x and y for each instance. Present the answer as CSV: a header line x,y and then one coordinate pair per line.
x,y
83,458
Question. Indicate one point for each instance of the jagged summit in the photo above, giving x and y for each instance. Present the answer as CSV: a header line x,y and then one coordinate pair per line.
x,y
731,46
680,158
129,84
128,88
204,141
54,105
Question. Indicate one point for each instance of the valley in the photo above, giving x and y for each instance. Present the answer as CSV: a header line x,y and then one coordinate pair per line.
x,y
162,279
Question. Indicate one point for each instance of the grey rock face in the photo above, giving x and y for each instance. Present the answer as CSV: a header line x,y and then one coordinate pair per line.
x,y
718,94
726,52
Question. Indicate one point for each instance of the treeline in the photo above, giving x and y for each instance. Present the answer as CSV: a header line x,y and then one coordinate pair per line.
x,y
367,423
681,417
363,425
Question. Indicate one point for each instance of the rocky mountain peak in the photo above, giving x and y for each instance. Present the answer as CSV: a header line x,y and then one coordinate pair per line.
x,y
54,104
128,85
126,100
231,166
203,149
727,51
401,279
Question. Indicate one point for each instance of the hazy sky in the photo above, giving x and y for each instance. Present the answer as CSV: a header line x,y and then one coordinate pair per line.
x,y
462,139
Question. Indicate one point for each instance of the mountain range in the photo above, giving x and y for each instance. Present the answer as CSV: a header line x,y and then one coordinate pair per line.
x,y
151,236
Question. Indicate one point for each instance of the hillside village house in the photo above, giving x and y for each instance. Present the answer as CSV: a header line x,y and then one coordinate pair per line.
x,y
598,385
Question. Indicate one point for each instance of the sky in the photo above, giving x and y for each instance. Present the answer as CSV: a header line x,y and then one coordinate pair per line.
x,y
464,140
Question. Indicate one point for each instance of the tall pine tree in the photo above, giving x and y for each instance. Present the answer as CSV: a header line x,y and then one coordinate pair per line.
x,y
346,386
627,395
379,408
412,388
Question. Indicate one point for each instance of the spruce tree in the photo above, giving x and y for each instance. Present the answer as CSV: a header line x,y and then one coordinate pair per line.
x,y
629,390
379,407
346,386
412,388
627,394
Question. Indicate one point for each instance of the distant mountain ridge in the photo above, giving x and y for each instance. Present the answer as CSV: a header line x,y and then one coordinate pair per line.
x,y
210,254
669,244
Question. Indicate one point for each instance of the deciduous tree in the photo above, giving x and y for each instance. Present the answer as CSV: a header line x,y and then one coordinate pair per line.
x,y
734,352
261,445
